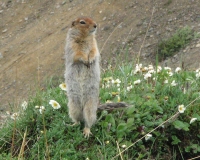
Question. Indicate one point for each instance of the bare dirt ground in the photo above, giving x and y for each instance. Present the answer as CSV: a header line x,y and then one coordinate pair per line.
x,y
32,37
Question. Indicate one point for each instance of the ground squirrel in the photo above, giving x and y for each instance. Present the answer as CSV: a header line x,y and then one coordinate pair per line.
x,y
82,75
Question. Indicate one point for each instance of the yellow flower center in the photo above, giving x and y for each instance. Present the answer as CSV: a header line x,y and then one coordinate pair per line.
x,y
55,104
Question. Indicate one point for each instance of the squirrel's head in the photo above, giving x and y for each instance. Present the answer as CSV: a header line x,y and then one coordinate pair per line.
x,y
86,26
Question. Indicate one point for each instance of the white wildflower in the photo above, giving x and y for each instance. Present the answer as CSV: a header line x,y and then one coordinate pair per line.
x,y
148,136
138,68
151,71
173,83
63,86
150,67
137,82
181,108
117,81
198,73
193,120
124,146
107,86
54,104
159,69
129,88
110,78
147,75
145,69
167,68
166,81
178,69
14,116
36,107
42,109
24,105
170,73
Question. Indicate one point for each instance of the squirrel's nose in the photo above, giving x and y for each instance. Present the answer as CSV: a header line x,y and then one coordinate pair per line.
x,y
95,26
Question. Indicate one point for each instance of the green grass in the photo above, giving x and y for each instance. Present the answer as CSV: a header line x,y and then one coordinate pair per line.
x,y
151,101
177,41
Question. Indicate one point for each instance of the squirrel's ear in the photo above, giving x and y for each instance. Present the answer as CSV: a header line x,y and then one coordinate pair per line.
x,y
73,23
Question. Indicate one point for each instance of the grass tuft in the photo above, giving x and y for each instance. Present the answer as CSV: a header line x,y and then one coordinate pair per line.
x,y
180,39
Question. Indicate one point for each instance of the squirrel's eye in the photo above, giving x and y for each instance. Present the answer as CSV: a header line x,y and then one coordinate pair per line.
x,y
82,22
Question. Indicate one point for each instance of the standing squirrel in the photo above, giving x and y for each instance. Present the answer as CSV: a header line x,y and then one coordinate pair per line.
x,y
82,75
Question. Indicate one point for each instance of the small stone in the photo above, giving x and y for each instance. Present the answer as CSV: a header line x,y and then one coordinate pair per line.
x,y
26,18
64,2
147,45
104,18
139,24
169,29
120,26
158,33
169,20
4,31
106,28
100,12
1,11
1,56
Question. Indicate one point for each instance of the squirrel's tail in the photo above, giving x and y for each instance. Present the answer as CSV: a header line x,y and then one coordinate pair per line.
x,y
111,106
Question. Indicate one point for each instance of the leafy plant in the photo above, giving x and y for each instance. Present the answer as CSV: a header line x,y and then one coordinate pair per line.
x,y
180,39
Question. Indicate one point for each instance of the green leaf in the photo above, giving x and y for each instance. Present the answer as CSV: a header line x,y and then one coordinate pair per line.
x,y
130,122
175,140
196,116
110,119
181,125
130,110
121,129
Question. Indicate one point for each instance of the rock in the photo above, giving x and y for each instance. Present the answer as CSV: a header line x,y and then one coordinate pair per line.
x,y
104,18
198,45
157,33
1,11
106,28
147,45
139,24
64,2
169,20
169,29
4,31
1,56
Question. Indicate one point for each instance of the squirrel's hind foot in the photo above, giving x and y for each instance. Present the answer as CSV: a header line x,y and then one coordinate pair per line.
x,y
86,132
